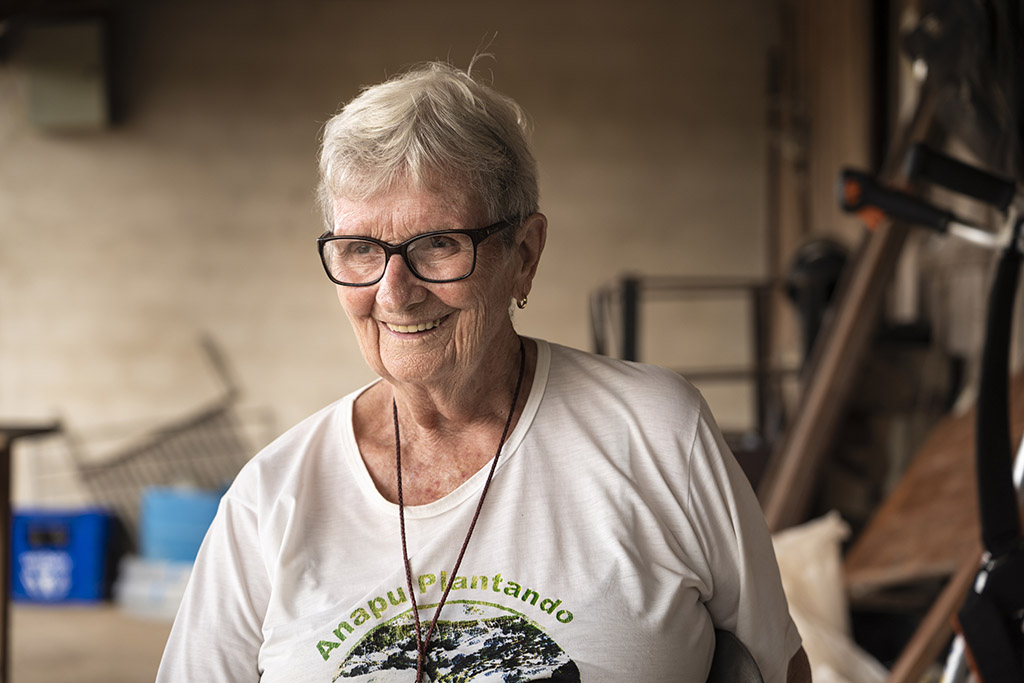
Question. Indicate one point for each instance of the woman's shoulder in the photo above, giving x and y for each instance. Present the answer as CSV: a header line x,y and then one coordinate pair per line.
x,y
580,370
647,395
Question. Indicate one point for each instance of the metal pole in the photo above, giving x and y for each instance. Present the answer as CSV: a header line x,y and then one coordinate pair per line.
x,y
8,436
630,317
760,309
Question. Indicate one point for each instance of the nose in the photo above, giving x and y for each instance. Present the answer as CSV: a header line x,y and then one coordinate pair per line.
x,y
399,289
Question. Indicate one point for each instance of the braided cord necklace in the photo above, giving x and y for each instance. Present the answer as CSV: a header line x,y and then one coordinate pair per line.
x,y
422,643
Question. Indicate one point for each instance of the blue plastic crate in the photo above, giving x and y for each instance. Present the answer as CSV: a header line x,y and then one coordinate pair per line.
x,y
60,555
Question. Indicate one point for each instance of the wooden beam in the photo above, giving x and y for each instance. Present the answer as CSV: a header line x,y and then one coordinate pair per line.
x,y
793,469
792,473
934,632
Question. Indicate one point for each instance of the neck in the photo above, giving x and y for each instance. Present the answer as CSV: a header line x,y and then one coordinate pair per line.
x,y
480,397
444,442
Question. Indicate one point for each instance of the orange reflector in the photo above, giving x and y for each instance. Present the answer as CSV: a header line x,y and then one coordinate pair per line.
x,y
872,217
851,192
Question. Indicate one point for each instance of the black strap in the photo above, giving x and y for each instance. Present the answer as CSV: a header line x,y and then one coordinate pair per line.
x,y
990,618
1000,515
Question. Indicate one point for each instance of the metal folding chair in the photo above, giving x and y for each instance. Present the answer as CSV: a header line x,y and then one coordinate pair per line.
x,y
732,662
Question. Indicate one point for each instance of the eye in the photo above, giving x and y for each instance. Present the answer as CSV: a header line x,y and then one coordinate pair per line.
x,y
443,245
442,242
356,248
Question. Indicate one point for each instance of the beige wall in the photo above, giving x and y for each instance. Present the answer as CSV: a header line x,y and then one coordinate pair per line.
x,y
119,248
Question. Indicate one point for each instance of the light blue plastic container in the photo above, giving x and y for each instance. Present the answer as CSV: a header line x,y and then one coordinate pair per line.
x,y
174,520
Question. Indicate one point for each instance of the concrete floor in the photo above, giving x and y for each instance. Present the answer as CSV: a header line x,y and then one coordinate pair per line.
x,y
93,644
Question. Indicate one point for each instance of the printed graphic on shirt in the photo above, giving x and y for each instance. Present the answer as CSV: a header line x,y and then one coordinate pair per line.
x,y
475,641
476,636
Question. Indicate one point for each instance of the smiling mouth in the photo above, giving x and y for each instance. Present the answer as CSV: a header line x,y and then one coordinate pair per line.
x,y
418,327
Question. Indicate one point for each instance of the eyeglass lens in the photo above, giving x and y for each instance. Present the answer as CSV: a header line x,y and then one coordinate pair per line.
x,y
439,257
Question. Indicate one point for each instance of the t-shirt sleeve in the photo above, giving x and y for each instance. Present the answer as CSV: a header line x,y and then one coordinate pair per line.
x,y
746,590
217,633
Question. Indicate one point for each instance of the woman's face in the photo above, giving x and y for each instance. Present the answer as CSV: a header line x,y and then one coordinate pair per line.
x,y
465,324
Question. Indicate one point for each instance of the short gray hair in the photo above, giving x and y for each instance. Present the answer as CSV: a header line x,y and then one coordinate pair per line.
x,y
432,126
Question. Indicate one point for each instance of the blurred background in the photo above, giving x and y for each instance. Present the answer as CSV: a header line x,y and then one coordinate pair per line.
x,y
164,313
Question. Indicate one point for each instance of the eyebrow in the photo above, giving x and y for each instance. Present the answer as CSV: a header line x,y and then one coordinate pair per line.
x,y
425,232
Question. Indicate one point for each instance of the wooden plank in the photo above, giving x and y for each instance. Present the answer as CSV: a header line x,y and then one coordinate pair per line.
x,y
792,473
839,353
935,630
928,526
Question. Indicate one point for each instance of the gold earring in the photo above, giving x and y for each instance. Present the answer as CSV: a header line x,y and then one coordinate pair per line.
x,y
521,303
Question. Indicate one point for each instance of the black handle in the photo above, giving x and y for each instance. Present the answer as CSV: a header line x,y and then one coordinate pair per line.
x,y
924,163
860,193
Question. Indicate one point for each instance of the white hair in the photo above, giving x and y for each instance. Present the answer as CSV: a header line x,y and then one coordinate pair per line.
x,y
433,127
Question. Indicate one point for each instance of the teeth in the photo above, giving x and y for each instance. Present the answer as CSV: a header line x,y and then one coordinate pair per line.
x,y
420,327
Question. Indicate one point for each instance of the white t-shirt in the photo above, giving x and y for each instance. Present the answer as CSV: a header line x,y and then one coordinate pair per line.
x,y
617,534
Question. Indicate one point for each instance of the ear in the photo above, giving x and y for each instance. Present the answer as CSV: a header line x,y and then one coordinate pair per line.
x,y
529,246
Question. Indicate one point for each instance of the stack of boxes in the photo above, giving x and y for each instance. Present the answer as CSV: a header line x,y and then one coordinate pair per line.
x,y
173,523
62,556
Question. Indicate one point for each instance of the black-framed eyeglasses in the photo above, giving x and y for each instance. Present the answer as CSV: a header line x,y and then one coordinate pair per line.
x,y
438,256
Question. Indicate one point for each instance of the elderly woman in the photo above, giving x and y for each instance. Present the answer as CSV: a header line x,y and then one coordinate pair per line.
x,y
493,507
